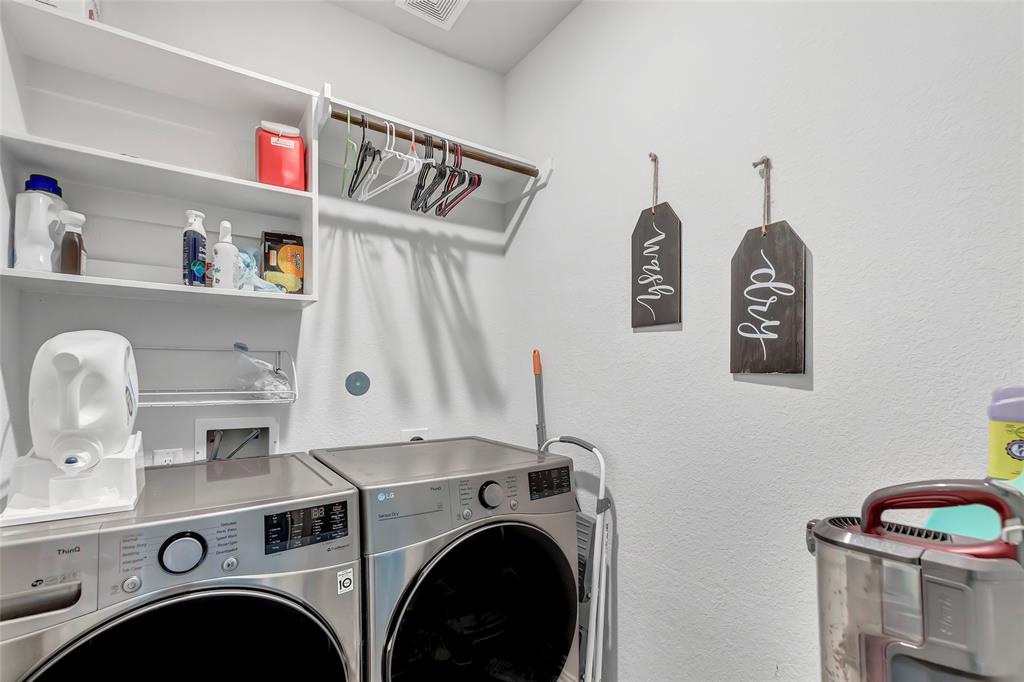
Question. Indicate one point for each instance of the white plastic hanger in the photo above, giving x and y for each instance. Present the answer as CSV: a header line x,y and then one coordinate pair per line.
x,y
411,164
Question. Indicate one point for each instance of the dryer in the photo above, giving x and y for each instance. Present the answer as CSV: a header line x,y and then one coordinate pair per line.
x,y
239,569
470,561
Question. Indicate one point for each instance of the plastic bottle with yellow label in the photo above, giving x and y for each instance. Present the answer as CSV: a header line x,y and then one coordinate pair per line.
x,y
1006,433
1005,461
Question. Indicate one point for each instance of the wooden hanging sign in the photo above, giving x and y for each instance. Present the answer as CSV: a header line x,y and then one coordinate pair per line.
x,y
769,302
657,268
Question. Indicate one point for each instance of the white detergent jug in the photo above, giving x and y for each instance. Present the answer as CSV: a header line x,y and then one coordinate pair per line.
x,y
37,227
83,398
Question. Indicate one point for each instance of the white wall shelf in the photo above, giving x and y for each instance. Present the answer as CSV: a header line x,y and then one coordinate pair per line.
x,y
56,283
97,167
136,132
61,39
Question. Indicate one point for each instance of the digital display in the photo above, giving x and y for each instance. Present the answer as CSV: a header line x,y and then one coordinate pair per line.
x,y
549,482
303,527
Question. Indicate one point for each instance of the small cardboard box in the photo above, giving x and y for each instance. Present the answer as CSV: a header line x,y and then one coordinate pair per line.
x,y
283,261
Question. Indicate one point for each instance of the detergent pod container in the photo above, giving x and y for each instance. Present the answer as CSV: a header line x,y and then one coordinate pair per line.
x,y
83,400
898,603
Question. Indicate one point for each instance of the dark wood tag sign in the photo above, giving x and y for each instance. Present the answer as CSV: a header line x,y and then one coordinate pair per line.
x,y
657,268
768,302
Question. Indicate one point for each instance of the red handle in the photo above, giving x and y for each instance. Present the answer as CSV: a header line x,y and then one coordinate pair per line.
x,y
934,495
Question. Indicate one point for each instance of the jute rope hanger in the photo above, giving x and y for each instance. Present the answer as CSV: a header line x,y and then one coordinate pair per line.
x,y
654,160
764,164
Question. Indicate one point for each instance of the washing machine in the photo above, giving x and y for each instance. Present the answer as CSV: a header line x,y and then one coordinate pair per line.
x,y
470,561
233,570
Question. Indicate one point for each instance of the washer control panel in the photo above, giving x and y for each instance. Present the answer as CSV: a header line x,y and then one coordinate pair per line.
x,y
141,558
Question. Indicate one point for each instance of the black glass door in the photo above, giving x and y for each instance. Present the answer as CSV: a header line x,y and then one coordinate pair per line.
x,y
212,635
499,604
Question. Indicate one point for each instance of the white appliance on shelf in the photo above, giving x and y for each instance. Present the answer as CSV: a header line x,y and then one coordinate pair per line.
x,y
83,399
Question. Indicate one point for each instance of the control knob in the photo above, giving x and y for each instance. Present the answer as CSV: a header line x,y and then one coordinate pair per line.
x,y
182,552
491,495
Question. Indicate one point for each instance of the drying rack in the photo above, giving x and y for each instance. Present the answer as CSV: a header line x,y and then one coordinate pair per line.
x,y
163,365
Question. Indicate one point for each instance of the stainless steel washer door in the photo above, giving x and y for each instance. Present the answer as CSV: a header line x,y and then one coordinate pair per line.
x,y
499,603
222,634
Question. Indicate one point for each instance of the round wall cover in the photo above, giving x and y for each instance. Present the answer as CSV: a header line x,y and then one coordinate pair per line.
x,y
357,383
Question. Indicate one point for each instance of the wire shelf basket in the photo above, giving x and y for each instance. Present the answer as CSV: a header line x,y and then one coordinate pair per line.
x,y
207,377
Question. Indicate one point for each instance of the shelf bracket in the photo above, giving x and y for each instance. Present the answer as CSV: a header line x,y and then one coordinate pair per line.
x,y
524,200
323,107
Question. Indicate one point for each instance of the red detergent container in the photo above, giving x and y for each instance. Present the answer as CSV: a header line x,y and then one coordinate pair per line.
x,y
280,156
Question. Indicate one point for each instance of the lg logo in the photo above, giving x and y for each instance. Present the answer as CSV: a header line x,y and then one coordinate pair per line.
x,y
63,551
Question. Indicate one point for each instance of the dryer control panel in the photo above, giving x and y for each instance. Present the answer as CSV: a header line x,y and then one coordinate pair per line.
x,y
144,557
404,514
538,490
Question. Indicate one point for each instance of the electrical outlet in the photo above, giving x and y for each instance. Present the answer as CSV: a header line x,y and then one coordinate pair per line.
x,y
415,434
167,457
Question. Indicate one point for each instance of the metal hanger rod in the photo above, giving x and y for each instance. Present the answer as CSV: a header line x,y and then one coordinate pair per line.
x,y
467,152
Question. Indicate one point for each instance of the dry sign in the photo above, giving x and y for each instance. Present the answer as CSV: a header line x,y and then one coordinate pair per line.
x,y
768,302
657,268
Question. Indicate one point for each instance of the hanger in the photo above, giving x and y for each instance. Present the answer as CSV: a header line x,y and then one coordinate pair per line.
x,y
473,183
428,162
350,145
376,162
367,155
440,174
475,180
411,165
456,179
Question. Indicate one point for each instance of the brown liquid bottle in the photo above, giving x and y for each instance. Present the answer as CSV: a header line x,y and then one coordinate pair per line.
x,y
72,247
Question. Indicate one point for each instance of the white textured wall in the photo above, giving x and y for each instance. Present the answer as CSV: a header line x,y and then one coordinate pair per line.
x,y
420,317
307,42
896,132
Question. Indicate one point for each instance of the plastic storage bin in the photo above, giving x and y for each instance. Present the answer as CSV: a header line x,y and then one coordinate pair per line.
x,y
280,156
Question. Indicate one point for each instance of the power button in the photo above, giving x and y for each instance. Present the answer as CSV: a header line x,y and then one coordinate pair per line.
x,y
131,584
467,513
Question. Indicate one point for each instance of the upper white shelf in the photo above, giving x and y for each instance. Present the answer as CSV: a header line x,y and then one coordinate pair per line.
x,y
56,37
97,167
57,283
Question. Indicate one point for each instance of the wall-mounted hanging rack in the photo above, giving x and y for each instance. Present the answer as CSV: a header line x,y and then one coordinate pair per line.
x,y
489,158
498,211
376,121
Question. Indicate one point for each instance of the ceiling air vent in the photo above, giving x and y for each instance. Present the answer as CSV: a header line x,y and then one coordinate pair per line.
x,y
443,13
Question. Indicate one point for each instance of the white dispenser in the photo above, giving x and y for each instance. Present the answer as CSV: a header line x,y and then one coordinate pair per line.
x,y
225,260
37,227
83,399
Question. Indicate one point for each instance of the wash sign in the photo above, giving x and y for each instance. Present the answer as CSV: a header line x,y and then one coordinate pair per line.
x,y
657,268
